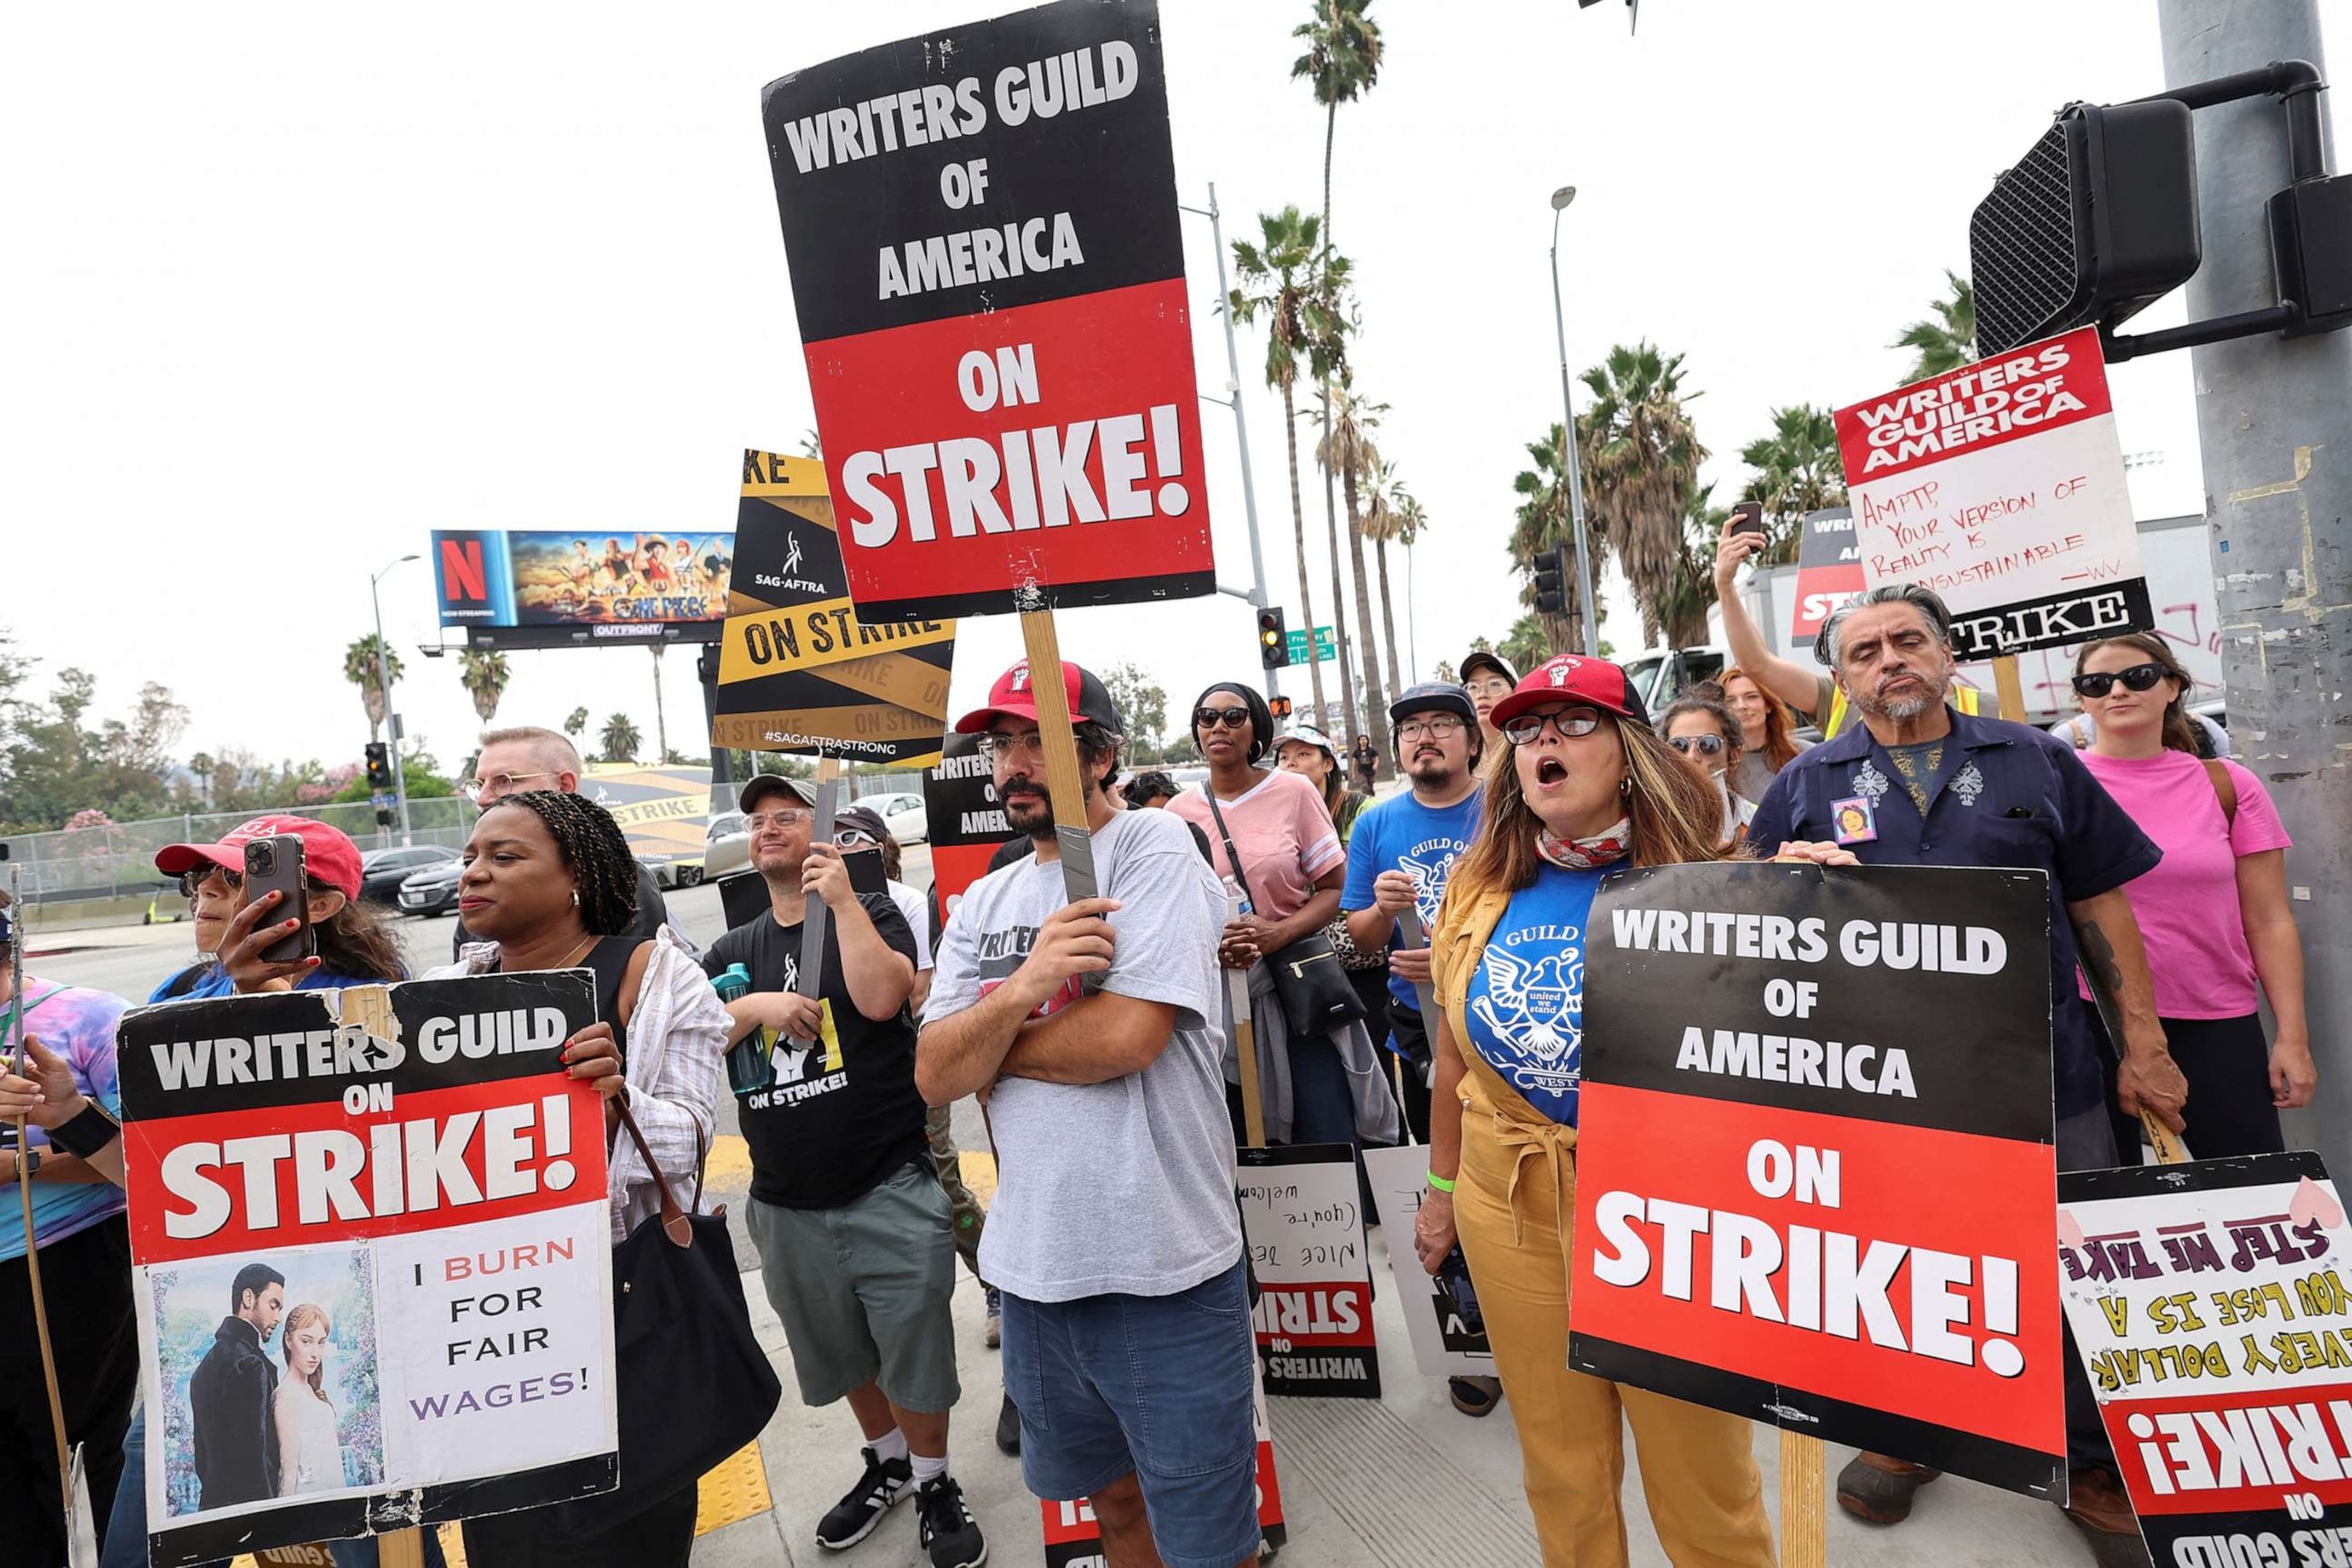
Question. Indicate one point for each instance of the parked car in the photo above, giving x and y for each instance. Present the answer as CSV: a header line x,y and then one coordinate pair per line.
x,y
381,871
673,871
726,848
902,813
433,891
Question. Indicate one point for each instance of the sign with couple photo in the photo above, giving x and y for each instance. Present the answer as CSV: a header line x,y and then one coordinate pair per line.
x,y
372,1263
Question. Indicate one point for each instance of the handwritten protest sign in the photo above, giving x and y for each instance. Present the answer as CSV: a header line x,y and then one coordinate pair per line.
x,y
1304,1223
982,230
1445,1342
1815,1178
2001,486
2211,1306
372,1269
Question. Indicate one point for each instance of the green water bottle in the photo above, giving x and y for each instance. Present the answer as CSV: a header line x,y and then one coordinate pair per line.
x,y
748,1067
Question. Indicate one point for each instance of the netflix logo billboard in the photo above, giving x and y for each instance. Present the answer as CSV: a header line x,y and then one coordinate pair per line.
x,y
982,232
1816,1182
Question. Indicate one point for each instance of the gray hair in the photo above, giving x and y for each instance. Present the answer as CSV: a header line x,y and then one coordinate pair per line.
x,y
553,747
1924,600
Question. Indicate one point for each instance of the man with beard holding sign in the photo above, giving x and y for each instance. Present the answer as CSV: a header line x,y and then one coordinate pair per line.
x,y
1918,782
1093,1028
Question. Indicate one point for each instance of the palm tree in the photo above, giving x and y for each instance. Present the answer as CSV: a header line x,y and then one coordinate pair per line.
x,y
1545,522
620,740
1393,514
1641,456
1524,646
1277,281
1946,340
483,675
1348,448
575,721
361,667
1681,610
1798,471
661,713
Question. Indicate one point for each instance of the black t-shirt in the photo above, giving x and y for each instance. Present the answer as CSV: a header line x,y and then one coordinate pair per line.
x,y
843,1115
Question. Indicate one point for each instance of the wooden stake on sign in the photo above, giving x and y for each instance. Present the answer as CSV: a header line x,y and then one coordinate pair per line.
x,y
1245,1046
2010,688
815,917
1804,1519
1055,734
16,1011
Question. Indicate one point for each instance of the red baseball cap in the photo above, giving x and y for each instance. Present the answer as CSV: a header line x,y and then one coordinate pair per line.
x,y
1570,678
1012,697
328,853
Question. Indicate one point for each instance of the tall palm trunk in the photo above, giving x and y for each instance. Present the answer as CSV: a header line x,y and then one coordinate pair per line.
x,y
1374,704
1299,535
1388,616
1354,720
661,718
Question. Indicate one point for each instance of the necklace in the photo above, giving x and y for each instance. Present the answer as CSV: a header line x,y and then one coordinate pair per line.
x,y
568,959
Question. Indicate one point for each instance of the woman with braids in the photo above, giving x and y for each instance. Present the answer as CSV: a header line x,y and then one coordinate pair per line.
x,y
356,943
549,884
2214,913
1581,786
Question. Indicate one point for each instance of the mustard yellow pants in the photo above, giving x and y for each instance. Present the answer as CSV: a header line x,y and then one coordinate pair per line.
x,y
1698,1470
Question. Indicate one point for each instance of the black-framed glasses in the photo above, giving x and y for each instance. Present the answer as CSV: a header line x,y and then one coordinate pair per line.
x,y
1569,723
1434,728
1210,717
1705,745
192,880
2138,678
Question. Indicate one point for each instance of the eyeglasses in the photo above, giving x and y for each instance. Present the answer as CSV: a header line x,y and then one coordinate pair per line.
x,y
1435,729
856,838
496,786
995,744
2138,678
1569,723
784,816
192,880
1706,745
1210,717
1492,686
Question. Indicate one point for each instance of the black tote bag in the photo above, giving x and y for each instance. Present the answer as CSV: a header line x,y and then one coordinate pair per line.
x,y
1317,995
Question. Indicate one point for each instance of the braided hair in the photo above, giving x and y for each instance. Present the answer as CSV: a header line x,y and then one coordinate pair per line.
x,y
594,847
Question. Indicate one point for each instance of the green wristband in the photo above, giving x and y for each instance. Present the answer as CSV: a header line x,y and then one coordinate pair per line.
x,y
1440,1183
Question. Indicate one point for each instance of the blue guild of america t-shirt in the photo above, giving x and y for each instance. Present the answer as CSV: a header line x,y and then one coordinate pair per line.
x,y
1526,1003
1400,834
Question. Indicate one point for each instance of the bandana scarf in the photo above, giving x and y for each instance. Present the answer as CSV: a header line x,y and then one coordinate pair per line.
x,y
1584,854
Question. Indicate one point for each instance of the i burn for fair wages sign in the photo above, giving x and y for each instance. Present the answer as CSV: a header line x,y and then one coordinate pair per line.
x,y
983,231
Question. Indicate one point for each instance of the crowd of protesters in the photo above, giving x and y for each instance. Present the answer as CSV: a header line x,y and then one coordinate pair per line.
x,y
1100,1035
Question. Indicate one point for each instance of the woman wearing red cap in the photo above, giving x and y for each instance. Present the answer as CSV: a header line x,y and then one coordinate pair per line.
x,y
356,943
1584,787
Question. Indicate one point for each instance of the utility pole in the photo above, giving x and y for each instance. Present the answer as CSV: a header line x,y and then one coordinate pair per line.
x,y
1240,425
384,685
2274,427
1586,612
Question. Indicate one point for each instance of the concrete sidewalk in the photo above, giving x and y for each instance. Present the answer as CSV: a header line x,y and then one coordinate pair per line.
x,y
1405,1481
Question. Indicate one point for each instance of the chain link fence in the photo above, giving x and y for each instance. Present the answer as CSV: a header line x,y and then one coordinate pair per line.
x,y
118,860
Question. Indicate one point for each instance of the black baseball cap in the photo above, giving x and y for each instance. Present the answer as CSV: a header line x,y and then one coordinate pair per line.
x,y
863,818
1493,661
758,786
1432,697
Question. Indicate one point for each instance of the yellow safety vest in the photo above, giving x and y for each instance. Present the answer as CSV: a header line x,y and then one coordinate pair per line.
x,y
1964,698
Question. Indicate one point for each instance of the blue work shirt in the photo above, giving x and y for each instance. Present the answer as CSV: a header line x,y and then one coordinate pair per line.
x,y
2006,795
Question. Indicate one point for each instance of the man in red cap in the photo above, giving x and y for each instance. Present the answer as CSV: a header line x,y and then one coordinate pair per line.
x,y
1114,1240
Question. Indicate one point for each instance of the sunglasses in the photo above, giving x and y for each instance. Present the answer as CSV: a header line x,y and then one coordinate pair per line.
x,y
191,880
856,838
1210,717
2138,678
1706,745
1569,723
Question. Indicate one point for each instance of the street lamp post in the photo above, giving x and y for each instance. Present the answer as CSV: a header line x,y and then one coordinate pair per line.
x,y
1240,425
383,688
1587,611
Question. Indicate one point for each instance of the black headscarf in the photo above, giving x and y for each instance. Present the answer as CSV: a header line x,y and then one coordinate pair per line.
x,y
1261,716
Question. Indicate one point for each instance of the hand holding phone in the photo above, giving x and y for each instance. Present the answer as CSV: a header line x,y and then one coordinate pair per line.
x,y
274,865
1747,516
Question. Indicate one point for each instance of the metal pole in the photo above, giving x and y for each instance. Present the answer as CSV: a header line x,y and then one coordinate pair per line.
x,y
1240,425
2274,424
1412,618
391,718
1588,612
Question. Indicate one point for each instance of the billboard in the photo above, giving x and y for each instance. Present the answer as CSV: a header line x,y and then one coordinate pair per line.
x,y
548,588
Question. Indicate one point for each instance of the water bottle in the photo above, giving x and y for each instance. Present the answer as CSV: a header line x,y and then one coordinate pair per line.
x,y
750,1067
1238,898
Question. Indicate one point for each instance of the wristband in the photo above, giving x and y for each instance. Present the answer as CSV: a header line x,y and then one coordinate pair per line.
x,y
1440,1183
88,1132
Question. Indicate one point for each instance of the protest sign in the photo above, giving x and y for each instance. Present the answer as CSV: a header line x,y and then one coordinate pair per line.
x,y
963,820
986,260
665,813
2001,486
1444,1345
798,670
1829,570
1073,1539
1815,1178
371,1262
2212,1309
1304,1225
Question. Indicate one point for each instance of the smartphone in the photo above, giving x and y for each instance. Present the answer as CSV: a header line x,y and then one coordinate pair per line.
x,y
1454,1274
1747,516
274,865
866,873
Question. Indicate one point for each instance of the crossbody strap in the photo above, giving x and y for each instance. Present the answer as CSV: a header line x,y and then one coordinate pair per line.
x,y
2225,790
1233,855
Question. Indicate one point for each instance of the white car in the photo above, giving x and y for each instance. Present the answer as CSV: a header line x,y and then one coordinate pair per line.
x,y
726,846
902,813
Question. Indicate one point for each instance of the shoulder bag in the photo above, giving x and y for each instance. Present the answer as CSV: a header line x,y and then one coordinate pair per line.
x,y
1316,997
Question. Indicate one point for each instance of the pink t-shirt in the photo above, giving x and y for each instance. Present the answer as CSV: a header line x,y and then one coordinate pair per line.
x,y
2188,907
1284,832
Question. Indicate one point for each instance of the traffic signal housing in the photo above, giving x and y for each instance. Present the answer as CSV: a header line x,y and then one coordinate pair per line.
x,y
1550,569
1278,706
379,766
1272,639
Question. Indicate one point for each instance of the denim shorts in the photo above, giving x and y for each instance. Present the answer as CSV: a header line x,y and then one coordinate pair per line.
x,y
1159,1386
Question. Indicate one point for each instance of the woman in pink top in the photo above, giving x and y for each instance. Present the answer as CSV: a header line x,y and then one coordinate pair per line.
x,y
1326,1088
2214,912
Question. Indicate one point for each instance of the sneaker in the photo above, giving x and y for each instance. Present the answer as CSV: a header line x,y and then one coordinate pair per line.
x,y
995,1317
853,1519
950,1537
1008,1427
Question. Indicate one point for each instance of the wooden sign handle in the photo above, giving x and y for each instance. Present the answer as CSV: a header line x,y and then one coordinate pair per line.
x,y
1804,1517
2010,688
1055,731
1245,1048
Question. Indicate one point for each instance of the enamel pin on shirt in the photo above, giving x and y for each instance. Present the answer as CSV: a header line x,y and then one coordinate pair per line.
x,y
1856,819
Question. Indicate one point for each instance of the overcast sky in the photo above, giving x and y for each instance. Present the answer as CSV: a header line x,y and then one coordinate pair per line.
x,y
290,287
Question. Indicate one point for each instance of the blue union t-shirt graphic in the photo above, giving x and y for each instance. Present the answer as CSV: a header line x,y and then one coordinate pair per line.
x,y
1526,1003
1400,834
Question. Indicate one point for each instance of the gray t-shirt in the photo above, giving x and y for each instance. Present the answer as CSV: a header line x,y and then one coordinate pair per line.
x,y
1125,1186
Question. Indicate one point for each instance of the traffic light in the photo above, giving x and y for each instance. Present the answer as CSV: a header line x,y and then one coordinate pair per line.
x,y
379,767
1550,567
1278,706
1272,639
